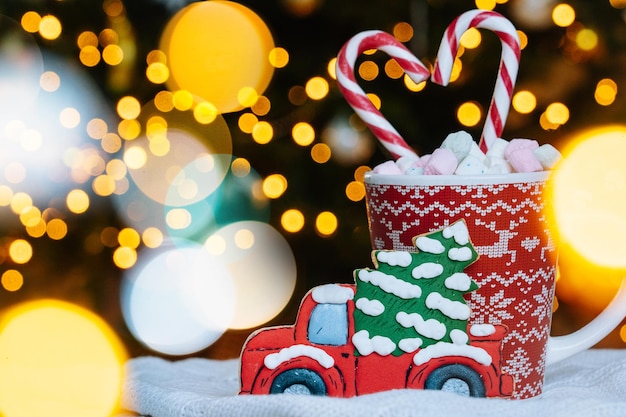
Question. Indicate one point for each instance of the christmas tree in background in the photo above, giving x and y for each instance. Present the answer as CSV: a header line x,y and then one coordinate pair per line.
x,y
414,300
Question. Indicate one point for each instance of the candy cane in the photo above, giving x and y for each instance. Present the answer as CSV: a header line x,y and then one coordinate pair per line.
x,y
356,97
507,73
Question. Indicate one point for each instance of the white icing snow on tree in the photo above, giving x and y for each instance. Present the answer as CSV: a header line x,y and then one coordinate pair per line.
x,y
418,297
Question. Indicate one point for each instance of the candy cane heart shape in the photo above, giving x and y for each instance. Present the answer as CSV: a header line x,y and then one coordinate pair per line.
x,y
507,73
356,97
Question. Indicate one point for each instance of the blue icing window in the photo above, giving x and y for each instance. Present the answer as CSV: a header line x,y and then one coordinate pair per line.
x,y
328,324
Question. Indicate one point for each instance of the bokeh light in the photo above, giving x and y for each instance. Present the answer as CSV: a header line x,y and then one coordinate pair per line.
x,y
264,274
326,224
125,257
50,27
471,38
274,185
59,360
469,113
606,90
56,229
30,21
403,31
368,70
524,102
563,15
216,48
355,191
587,39
12,280
303,133
588,199
263,132
20,251
317,88
349,142
279,57
321,153
485,4
178,300
21,67
195,155
292,220
77,201
557,113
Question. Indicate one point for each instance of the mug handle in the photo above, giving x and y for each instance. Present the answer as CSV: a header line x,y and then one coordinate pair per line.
x,y
561,347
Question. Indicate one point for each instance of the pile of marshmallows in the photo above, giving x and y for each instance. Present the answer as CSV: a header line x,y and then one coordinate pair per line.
x,y
459,154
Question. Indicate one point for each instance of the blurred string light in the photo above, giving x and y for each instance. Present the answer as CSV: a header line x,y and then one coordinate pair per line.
x,y
57,359
563,15
47,102
208,209
605,92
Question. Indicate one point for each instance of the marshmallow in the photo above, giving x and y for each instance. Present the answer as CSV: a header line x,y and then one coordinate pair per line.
x,y
517,144
423,160
471,165
387,168
459,143
496,149
498,165
524,160
441,162
547,155
406,162
414,171
477,152
502,157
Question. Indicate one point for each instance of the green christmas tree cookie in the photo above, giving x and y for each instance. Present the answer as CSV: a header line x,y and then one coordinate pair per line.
x,y
414,300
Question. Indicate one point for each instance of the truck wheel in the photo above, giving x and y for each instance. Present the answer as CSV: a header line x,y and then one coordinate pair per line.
x,y
456,378
298,381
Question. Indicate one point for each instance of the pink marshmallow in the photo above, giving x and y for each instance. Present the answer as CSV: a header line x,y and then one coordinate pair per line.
x,y
422,161
441,162
387,168
517,144
524,160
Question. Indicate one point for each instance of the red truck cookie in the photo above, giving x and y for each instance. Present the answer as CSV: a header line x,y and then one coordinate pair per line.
x,y
404,324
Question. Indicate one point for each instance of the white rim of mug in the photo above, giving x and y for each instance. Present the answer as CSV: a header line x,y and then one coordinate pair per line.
x,y
485,179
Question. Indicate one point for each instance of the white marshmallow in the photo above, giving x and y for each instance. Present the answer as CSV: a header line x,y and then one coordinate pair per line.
x,y
414,171
477,152
498,166
547,155
406,162
496,149
460,143
471,165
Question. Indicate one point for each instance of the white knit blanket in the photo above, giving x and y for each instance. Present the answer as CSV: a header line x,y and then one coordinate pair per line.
x,y
590,384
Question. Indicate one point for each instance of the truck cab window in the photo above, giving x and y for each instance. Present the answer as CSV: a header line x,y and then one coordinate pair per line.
x,y
328,324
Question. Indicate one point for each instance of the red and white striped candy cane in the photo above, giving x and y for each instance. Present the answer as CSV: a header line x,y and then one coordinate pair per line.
x,y
507,73
356,97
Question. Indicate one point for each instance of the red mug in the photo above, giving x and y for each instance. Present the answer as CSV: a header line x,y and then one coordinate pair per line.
x,y
516,268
